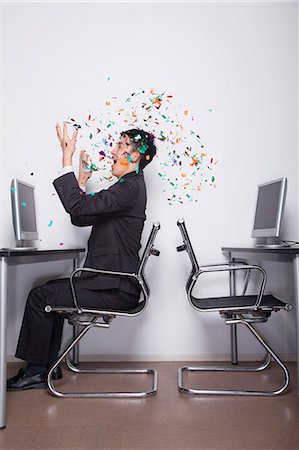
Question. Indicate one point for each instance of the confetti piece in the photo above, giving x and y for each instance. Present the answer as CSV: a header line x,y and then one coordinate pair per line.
x,y
143,149
129,157
50,223
13,189
61,243
121,180
23,204
92,194
93,167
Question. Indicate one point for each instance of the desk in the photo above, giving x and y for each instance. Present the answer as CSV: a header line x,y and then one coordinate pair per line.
x,y
12,257
288,254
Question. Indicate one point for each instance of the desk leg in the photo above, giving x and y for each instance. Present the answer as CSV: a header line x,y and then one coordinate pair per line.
x,y
3,337
233,327
296,281
76,329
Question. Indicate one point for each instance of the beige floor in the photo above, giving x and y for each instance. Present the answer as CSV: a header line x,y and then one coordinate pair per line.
x,y
170,420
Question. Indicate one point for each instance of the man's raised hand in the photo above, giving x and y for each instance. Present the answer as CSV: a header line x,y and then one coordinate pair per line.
x,y
68,144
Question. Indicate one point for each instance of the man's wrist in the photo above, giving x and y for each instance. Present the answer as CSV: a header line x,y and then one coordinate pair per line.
x,y
67,160
82,183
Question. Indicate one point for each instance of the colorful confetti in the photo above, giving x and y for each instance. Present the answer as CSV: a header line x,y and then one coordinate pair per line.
x,y
50,223
23,204
184,164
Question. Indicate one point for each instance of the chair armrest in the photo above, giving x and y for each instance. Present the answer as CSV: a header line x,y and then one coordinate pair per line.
x,y
103,272
225,266
97,271
139,276
229,268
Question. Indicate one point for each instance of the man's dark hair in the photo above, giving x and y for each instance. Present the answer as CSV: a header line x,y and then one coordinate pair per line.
x,y
144,143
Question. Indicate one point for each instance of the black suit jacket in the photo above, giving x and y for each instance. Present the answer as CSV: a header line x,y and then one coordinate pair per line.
x,y
117,217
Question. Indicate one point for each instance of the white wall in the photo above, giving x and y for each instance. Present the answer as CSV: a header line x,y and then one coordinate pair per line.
x,y
240,60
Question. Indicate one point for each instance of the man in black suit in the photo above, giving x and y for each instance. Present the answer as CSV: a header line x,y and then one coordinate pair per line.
x,y
117,217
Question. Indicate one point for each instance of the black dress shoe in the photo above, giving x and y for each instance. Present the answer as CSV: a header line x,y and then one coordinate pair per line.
x,y
57,373
21,381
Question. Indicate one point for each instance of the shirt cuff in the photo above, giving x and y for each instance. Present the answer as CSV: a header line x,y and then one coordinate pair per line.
x,y
67,169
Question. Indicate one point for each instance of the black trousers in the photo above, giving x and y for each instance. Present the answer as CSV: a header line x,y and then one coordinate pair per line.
x,y
41,332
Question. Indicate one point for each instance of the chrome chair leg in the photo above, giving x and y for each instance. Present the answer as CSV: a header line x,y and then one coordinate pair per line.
x,y
66,355
269,353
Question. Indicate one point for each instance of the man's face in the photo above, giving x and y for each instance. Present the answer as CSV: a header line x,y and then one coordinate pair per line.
x,y
124,157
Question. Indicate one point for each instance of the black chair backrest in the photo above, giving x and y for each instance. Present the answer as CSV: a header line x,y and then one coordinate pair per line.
x,y
149,250
187,246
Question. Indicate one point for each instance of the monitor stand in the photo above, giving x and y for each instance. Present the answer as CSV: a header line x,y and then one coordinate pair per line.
x,y
22,245
272,243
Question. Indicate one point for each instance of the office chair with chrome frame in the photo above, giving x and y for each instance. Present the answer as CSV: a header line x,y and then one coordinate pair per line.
x,y
239,310
89,318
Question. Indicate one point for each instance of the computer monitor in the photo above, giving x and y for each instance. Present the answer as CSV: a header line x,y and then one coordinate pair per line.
x,y
23,213
269,211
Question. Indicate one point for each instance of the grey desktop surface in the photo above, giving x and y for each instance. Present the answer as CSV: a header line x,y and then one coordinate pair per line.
x,y
39,251
287,250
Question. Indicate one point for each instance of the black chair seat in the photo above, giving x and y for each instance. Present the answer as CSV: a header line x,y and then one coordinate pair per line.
x,y
89,314
268,303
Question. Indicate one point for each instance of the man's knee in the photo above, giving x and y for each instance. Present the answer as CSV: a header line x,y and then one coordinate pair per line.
x,y
36,297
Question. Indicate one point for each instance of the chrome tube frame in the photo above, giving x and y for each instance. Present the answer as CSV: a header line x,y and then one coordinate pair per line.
x,y
233,318
99,394
230,268
88,318
269,354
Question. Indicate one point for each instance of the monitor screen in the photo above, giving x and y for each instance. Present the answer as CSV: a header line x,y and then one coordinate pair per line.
x,y
23,210
269,208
